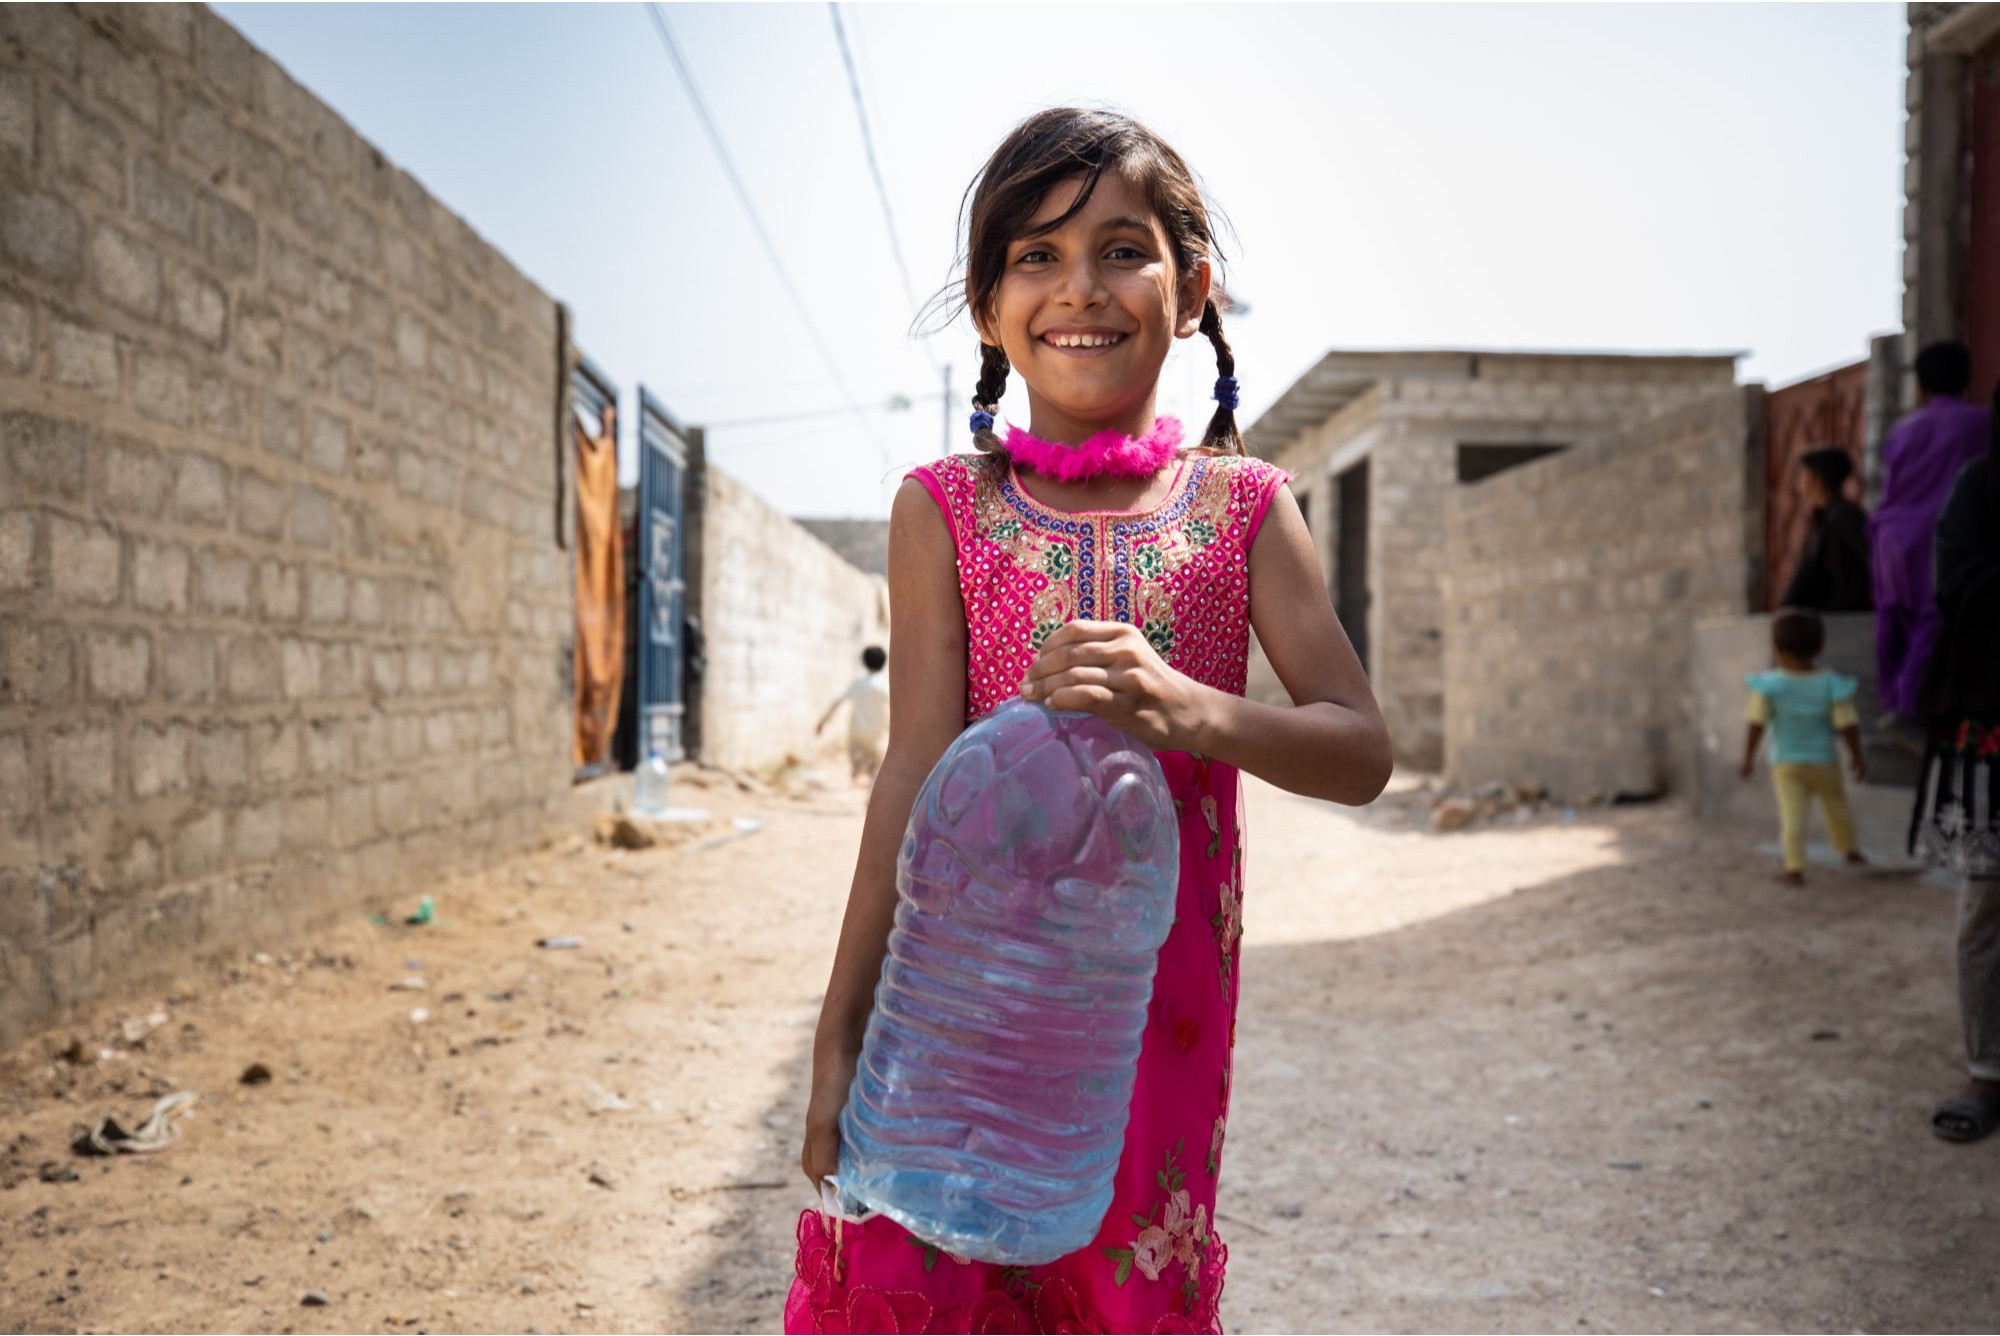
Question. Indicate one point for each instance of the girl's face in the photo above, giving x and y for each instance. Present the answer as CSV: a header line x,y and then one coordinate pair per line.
x,y
1086,313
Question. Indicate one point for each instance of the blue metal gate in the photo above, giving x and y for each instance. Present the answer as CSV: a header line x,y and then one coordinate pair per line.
x,y
663,460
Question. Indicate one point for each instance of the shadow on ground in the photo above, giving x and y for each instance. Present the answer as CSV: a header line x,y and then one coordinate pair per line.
x,y
1656,1093
1662,1094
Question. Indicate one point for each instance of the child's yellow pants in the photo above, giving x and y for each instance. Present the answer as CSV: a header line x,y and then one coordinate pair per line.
x,y
1797,786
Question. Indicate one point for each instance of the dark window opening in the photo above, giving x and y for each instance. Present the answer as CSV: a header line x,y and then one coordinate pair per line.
x,y
1350,561
1478,462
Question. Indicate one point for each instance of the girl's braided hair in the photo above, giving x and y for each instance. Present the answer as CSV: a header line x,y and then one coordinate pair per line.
x,y
1059,145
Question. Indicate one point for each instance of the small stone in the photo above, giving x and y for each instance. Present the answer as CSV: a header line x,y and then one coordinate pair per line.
x,y
602,1178
1453,814
314,1299
55,1171
324,1236
256,1074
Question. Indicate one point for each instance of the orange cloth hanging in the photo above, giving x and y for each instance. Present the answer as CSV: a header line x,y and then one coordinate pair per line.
x,y
600,592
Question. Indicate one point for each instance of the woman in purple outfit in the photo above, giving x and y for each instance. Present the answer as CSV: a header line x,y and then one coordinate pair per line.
x,y
1920,461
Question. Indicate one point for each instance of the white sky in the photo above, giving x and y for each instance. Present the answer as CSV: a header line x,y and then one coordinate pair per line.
x,y
1520,176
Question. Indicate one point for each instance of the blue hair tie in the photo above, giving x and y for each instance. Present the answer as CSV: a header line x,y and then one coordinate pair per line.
x,y
1225,392
982,420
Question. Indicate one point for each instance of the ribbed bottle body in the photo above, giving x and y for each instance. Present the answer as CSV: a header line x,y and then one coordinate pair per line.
x,y
1035,886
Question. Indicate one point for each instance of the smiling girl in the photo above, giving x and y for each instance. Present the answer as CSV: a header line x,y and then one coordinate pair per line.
x,y
1090,562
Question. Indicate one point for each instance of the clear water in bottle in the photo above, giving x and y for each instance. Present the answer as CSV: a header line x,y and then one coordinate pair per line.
x,y
649,787
1035,886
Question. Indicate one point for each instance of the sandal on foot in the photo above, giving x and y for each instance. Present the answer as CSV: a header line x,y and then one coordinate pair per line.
x,y
1963,1118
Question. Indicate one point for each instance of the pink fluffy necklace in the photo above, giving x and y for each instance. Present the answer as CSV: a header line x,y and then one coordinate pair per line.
x,y
1108,454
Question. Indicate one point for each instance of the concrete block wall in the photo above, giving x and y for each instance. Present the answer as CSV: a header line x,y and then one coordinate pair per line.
x,y
785,619
1570,590
283,618
1409,428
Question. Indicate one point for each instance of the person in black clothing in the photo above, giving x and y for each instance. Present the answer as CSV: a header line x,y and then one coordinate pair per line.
x,y
1832,574
1956,823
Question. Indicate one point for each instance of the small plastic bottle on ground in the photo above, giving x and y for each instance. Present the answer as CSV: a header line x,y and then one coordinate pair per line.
x,y
649,783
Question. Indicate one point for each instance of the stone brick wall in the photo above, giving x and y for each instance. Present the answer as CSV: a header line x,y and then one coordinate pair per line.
x,y
785,619
1570,589
283,618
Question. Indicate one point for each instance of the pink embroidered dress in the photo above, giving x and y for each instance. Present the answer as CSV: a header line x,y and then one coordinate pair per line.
x,y
1181,573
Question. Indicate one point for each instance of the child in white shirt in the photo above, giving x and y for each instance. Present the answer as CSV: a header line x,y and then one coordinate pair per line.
x,y
868,717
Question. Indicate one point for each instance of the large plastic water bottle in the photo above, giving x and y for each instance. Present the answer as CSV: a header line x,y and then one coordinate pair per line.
x,y
1035,886
649,787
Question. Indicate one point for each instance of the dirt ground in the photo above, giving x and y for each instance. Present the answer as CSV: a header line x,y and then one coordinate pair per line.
x,y
1570,1074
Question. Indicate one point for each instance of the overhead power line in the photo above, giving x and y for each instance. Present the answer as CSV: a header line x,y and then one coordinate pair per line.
x,y
888,213
874,165
715,141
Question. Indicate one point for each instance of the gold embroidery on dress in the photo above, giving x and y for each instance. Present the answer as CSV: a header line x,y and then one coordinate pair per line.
x,y
1030,549
1156,557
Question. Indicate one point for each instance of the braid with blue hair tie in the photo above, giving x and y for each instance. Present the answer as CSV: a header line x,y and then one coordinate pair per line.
x,y
1222,433
986,394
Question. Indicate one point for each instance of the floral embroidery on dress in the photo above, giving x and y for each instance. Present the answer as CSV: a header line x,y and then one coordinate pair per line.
x,y
1179,573
1178,1237
1228,918
932,1252
1215,1144
1160,546
1208,814
1066,566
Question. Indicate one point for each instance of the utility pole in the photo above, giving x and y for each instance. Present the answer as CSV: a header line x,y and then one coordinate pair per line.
x,y
947,408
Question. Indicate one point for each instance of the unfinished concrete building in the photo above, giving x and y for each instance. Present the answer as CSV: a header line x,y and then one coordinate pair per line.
x,y
1379,440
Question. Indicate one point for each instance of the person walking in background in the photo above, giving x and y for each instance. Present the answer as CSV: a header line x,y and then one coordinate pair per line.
x,y
1803,706
1956,822
1922,456
867,702
1832,574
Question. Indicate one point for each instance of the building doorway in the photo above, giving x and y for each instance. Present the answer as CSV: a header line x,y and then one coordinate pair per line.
x,y
1350,565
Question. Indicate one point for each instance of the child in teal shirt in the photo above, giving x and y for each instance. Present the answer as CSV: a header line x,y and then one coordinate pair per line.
x,y
1803,706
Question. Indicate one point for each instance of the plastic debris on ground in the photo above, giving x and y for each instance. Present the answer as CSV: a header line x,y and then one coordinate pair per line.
x,y
160,1130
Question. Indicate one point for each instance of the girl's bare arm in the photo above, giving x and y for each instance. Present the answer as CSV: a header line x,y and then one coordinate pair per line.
x,y
926,712
1331,743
